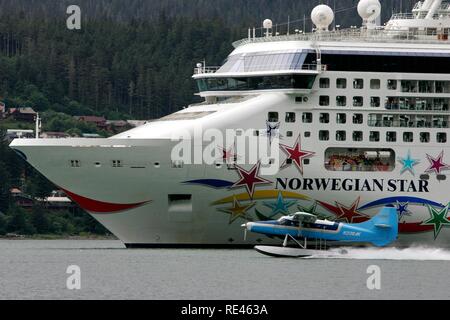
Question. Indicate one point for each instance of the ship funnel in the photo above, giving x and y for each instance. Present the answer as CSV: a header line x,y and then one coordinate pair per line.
x,y
322,16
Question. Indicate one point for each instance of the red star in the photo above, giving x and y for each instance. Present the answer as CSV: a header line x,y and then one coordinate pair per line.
x,y
250,179
350,215
296,154
437,165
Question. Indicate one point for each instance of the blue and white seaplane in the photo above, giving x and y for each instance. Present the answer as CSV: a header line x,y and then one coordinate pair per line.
x,y
303,229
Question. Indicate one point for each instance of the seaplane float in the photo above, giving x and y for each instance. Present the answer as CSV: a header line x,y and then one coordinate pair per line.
x,y
312,237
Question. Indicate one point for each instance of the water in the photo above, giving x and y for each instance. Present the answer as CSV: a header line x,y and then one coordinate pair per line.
x,y
37,270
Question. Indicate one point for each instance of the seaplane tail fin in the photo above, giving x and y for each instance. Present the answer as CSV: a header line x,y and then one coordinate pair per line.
x,y
384,226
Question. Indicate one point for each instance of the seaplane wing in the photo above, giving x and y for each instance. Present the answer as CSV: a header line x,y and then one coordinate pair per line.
x,y
304,217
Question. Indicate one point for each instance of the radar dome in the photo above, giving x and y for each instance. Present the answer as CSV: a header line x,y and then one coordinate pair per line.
x,y
322,16
267,24
369,10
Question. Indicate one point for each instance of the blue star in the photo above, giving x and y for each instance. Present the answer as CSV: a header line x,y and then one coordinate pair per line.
x,y
280,206
402,209
408,163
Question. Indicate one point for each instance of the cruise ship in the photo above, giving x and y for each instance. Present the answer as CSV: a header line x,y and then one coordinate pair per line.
x,y
355,119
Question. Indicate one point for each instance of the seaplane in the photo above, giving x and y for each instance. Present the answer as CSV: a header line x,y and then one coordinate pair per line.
x,y
313,237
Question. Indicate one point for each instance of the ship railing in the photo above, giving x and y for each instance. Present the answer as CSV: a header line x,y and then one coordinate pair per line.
x,y
203,70
352,34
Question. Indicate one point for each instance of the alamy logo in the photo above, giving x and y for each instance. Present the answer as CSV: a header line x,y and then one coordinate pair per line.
x,y
374,280
74,280
74,20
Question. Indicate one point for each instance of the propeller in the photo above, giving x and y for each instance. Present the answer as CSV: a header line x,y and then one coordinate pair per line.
x,y
245,231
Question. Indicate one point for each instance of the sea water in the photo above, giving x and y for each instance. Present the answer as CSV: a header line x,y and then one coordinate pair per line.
x,y
38,270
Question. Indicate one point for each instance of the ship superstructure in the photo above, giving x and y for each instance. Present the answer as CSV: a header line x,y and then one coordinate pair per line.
x,y
361,115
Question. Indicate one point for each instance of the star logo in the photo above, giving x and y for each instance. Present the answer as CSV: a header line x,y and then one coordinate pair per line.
x,y
438,219
437,165
346,214
280,206
295,155
237,210
250,179
402,210
408,163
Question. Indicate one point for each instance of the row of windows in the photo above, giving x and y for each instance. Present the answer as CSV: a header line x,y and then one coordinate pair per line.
x,y
357,83
375,136
408,121
307,117
408,86
393,103
341,101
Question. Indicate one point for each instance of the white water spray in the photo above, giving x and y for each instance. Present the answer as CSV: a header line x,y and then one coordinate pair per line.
x,y
413,254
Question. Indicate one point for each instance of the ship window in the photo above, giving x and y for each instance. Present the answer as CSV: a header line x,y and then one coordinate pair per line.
x,y
375,84
306,161
391,136
341,118
358,101
307,134
324,118
363,160
324,135
425,137
341,136
307,117
289,134
324,83
426,86
357,136
117,164
408,85
408,137
256,83
392,84
273,117
75,163
341,101
374,136
375,102
441,137
299,99
358,118
358,84
290,117
324,100
341,83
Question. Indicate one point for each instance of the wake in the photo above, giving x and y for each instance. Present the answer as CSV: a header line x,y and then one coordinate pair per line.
x,y
414,253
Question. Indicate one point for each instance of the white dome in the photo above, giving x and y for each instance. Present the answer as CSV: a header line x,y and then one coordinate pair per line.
x,y
322,16
369,10
267,24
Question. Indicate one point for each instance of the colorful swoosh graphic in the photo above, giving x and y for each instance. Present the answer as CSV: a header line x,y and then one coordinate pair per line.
x,y
100,206
385,201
